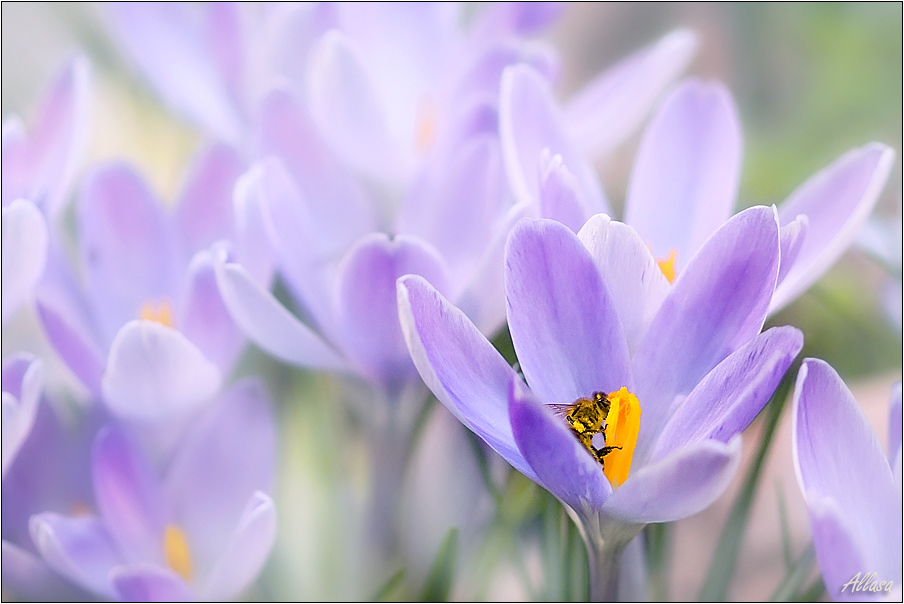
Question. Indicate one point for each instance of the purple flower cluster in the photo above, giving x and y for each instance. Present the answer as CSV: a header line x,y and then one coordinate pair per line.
x,y
382,188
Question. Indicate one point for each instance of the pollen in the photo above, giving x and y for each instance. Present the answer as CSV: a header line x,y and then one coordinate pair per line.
x,y
175,549
622,426
160,312
667,265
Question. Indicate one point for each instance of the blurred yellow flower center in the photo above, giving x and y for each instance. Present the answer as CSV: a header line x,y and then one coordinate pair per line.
x,y
622,426
161,312
175,549
667,265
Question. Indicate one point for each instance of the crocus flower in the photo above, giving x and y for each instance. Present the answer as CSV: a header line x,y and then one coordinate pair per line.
x,y
147,330
683,368
202,529
22,384
852,490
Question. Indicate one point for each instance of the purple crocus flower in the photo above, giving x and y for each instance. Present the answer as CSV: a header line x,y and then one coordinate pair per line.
x,y
853,491
23,379
683,367
147,326
201,529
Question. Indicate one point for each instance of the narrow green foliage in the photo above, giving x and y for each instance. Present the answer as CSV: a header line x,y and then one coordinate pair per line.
x,y
658,549
786,530
715,588
815,592
385,593
797,575
439,581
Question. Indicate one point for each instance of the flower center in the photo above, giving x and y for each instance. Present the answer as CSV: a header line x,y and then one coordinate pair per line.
x,y
667,265
161,312
607,426
175,549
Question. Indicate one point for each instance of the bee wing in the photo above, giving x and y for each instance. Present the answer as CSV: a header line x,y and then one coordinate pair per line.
x,y
560,409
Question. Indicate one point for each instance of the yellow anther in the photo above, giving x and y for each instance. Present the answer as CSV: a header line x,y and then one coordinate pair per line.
x,y
161,312
175,549
622,426
667,265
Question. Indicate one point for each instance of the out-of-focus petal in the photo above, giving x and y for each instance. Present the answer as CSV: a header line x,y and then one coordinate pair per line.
x,y
608,109
126,245
79,548
686,174
40,166
169,45
367,302
155,372
204,213
243,557
840,466
634,280
717,304
500,19
27,577
24,253
791,238
128,495
226,457
269,325
529,123
562,464
460,366
676,486
561,198
564,324
144,582
23,380
732,394
204,318
69,337
347,109
837,201
894,424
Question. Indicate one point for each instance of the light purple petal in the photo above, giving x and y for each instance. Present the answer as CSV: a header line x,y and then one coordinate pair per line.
x,y
367,301
246,553
791,238
840,466
227,456
687,170
128,495
632,276
731,395
155,372
40,166
460,366
608,109
169,45
27,577
564,324
269,325
562,464
23,381
501,19
716,305
78,548
68,333
144,582
894,424
126,246
347,109
529,122
676,486
561,198
24,253
204,213
204,318
837,201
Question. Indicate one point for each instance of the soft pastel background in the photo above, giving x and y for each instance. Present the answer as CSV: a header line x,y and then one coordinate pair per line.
x,y
810,80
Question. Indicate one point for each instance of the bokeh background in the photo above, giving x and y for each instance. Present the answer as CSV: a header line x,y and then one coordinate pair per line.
x,y
811,80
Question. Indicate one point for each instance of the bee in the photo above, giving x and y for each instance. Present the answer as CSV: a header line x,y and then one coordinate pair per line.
x,y
587,417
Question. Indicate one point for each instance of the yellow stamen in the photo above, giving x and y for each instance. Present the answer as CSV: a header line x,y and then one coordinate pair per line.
x,y
622,426
175,549
426,127
161,312
667,265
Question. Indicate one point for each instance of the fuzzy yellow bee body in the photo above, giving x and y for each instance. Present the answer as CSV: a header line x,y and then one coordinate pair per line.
x,y
586,417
